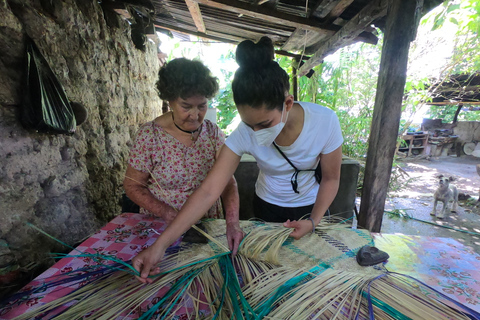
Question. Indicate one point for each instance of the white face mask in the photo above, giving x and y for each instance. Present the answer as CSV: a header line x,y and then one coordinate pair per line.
x,y
265,137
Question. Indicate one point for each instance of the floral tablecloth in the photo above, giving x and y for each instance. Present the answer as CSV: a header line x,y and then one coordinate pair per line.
x,y
123,237
442,263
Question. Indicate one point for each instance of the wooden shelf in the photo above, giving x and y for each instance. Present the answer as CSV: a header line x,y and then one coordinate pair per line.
x,y
414,142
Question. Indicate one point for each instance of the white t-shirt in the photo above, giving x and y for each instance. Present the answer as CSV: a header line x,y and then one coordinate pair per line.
x,y
321,134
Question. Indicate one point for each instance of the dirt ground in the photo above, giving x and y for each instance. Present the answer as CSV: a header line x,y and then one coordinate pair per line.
x,y
422,175
415,198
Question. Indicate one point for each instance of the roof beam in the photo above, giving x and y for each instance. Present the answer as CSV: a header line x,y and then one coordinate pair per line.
x,y
337,10
453,103
194,9
355,26
227,39
291,55
301,39
325,7
264,13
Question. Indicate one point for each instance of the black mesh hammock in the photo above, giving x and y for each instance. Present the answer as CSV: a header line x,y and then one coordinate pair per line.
x,y
45,106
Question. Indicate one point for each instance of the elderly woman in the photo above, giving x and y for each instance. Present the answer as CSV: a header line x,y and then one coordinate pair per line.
x,y
172,154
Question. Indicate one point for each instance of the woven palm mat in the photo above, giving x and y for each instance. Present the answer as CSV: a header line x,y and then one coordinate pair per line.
x,y
316,277
332,245
309,272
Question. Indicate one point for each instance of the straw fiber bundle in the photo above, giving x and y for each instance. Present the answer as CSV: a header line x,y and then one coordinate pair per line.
x,y
272,277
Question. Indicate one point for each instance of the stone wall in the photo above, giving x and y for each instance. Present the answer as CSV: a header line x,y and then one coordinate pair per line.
x,y
467,131
68,185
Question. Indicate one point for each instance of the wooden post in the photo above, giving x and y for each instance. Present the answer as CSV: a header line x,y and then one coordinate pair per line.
x,y
401,25
295,78
459,108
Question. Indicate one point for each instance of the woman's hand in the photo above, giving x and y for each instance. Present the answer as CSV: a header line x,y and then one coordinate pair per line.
x,y
235,235
301,228
145,263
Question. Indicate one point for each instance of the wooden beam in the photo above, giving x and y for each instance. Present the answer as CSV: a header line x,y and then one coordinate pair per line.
x,y
226,39
355,26
453,103
340,7
301,39
264,13
295,79
401,25
326,7
296,40
338,10
196,14
314,8
291,55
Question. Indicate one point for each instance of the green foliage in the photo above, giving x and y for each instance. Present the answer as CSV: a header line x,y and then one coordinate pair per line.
x,y
462,17
447,113
465,15
226,108
348,86
417,93
441,112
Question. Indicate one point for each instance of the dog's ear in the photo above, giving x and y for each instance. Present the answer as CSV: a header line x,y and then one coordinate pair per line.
x,y
451,178
440,176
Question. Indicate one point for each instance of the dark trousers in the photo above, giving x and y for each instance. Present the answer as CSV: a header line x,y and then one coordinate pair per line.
x,y
273,213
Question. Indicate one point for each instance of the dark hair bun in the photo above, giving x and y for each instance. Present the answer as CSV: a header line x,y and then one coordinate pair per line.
x,y
255,55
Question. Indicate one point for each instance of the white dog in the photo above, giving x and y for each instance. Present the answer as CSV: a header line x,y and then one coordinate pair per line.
x,y
445,193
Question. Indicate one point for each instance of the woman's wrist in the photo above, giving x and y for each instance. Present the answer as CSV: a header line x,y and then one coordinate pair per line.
x,y
159,245
232,222
317,216
313,224
232,218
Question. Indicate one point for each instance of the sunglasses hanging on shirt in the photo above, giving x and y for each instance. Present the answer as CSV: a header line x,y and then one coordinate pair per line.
x,y
293,179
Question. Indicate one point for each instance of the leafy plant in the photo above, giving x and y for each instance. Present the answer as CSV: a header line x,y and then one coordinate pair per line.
x,y
226,108
347,85
463,16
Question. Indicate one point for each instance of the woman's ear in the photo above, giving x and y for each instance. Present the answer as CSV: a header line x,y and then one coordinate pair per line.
x,y
289,101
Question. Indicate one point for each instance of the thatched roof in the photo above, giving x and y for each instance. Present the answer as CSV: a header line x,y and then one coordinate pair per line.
x,y
307,28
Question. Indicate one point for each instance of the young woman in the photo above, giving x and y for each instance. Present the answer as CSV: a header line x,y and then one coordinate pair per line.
x,y
287,138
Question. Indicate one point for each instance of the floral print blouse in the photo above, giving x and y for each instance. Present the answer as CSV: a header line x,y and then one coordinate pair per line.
x,y
176,170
